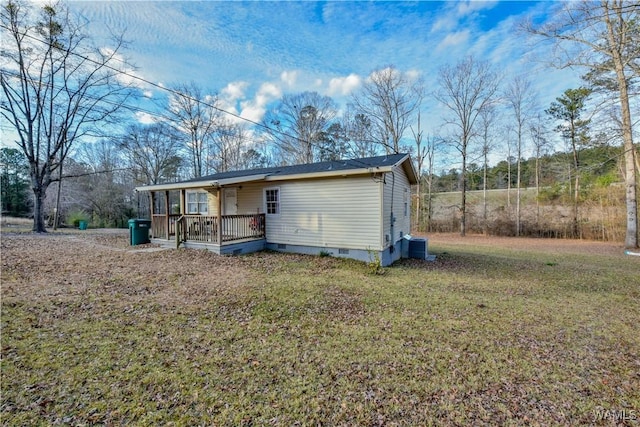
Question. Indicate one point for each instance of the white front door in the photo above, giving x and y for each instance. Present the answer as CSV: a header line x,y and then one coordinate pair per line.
x,y
230,201
230,207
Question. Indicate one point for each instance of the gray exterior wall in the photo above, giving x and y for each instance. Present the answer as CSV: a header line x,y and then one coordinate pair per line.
x,y
397,200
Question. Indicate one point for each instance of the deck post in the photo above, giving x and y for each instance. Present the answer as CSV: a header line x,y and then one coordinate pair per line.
x,y
166,210
219,218
152,208
152,211
183,196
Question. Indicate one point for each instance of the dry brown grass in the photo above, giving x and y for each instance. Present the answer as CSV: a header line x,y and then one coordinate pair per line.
x,y
496,331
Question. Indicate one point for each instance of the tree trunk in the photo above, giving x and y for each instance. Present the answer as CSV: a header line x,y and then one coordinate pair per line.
x,y
509,180
429,202
485,225
631,237
576,205
463,206
56,215
518,193
537,188
39,193
417,220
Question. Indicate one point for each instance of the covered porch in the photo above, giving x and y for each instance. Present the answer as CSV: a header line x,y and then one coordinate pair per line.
x,y
216,225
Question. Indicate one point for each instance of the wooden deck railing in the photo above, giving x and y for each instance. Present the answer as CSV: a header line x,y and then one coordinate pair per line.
x,y
159,226
199,228
237,227
204,228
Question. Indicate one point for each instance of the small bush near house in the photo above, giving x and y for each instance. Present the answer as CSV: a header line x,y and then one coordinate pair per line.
x,y
74,218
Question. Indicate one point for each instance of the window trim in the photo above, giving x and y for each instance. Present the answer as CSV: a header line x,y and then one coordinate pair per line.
x,y
279,201
198,203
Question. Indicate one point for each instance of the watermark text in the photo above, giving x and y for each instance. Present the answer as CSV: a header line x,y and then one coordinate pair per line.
x,y
602,414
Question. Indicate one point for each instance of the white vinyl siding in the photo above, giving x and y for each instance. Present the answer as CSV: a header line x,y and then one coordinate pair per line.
x,y
251,199
337,212
400,197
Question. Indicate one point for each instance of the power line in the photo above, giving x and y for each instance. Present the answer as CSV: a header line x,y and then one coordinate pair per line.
x,y
185,96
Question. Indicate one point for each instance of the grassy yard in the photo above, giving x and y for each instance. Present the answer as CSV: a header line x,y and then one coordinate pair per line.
x,y
96,334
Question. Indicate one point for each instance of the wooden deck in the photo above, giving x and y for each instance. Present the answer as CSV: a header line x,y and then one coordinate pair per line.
x,y
229,229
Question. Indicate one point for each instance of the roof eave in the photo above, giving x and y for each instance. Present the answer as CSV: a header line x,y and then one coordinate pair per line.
x,y
410,170
202,184
328,174
177,186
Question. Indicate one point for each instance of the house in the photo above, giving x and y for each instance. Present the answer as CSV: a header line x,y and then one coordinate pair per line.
x,y
347,208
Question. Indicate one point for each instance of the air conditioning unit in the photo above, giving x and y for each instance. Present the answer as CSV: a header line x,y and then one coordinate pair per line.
x,y
418,248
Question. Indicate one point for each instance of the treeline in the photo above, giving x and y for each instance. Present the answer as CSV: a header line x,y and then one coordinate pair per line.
x,y
100,180
83,161
600,164
548,204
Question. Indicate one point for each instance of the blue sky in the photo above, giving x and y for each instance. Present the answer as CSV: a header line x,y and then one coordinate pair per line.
x,y
250,53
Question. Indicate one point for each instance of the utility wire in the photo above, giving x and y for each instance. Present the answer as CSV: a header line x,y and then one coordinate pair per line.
x,y
185,96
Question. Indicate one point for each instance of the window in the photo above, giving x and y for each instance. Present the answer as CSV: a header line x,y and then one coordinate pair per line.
x,y
406,205
272,201
197,202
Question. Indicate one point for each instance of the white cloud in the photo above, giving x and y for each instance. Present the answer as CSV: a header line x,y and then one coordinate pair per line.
x,y
344,85
210,99
444,23
468,7
454,39
413,75
235,91
145,118
229,107
268,92
289,77
255,109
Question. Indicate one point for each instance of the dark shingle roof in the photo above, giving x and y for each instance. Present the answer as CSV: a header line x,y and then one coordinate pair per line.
x,y
334,165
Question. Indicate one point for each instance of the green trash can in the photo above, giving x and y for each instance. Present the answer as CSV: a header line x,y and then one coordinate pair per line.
x,y
82,225
139,231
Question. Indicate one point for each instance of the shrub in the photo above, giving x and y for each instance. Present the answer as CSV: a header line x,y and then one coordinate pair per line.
x,y
74,217
375,263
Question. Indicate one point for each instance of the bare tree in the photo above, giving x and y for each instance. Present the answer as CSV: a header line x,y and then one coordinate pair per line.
x,y
359,133
465,90
197,118
421,154
107,188
605,39
230,143
432,145
298,124
389,99
152,152
540,143
57,88
488,117
518,96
